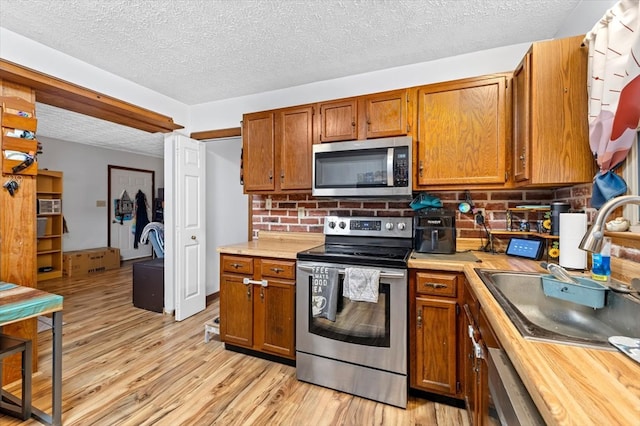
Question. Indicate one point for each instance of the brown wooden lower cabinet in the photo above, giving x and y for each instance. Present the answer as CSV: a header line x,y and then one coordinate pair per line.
x,y
435,327
257,304
479,337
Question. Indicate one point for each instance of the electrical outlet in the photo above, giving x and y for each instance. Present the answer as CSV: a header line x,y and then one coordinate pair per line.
x,y
300,212
267,204
479,219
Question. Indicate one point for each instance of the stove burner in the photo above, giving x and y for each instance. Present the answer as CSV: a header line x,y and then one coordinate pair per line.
x,y
370,255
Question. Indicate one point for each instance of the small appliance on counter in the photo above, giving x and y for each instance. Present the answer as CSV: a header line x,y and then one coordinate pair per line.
x,y
434,231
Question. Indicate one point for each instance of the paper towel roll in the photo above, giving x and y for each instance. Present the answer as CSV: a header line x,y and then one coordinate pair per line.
x,y
573,226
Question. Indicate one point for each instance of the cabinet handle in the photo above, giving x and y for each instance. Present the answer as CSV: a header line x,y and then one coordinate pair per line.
x,y
236,265
435,285
353,123
419,318
277,270
262,293
421,168
281,175
270,175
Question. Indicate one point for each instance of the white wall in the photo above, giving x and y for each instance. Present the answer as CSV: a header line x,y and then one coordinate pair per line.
x,y
85,181
227,212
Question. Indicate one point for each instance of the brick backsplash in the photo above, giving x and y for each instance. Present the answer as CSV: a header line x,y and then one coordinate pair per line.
x,y
283,215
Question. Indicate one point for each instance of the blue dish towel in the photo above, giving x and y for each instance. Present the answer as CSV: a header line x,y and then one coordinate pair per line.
x,y
324,292
605,187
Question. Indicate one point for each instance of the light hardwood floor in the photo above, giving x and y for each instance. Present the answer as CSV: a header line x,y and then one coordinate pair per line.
x,y
128,366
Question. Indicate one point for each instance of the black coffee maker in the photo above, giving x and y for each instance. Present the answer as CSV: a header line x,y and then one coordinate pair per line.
x,y
434,231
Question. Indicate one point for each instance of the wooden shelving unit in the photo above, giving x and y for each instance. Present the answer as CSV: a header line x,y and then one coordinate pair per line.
x,y
50,226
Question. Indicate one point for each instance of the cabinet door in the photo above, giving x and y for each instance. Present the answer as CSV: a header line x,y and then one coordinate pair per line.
x,y
436,346
236,311
338,120
462,132
258,151
559,139
521,123
275,322
294,133
386,114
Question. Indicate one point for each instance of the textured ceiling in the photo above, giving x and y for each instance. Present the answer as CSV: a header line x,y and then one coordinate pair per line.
x,y
198,51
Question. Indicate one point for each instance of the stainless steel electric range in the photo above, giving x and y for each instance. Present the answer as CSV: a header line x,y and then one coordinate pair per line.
x,y
359,347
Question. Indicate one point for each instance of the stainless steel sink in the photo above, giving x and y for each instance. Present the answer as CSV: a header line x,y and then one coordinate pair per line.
x,y
539,317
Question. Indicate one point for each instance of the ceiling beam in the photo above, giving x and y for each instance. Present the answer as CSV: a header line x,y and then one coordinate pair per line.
x,y
216,134
62,94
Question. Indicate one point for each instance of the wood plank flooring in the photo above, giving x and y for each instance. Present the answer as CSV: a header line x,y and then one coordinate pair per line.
x,y
128,366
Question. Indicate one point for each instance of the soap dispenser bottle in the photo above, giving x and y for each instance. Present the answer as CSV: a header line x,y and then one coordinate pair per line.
x,y
601,262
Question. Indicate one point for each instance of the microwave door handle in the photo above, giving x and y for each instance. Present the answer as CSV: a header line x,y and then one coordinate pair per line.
x,y
390,156
434,239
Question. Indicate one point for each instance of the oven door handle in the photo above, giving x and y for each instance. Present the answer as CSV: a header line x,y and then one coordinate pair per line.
x,y
383,274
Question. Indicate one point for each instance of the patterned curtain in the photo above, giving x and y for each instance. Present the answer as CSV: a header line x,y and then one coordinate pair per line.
x,y
614,84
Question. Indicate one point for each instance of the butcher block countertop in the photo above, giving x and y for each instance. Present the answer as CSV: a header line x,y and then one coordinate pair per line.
x,y
570,385
282,245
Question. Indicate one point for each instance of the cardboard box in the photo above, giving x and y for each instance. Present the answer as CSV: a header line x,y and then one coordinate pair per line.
x,y
84,262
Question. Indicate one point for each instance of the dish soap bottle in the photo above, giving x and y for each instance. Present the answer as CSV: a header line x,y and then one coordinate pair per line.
x,y
601,262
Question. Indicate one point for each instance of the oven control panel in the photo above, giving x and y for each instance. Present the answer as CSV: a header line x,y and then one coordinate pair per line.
x,y
398,227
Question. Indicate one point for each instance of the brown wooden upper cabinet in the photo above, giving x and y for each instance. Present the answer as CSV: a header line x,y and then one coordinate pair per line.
x,y
462,133
258,151
338,120
551,142
277,150
377,115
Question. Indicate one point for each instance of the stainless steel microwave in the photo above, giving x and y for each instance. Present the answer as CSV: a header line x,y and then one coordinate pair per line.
x,y
366,168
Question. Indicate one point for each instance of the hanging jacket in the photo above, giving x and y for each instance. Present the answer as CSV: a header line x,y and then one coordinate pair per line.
x,y
142,219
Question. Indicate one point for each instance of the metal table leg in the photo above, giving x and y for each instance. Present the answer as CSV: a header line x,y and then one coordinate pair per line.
x,y
55,418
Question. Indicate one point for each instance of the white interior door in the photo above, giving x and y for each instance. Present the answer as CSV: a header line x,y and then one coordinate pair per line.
x,y
121,228
185,235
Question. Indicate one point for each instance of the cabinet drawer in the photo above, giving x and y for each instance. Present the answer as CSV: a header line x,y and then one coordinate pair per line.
x,y
437,284
278,268
237,264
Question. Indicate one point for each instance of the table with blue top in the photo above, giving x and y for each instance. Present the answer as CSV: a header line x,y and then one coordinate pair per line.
x,y
18,303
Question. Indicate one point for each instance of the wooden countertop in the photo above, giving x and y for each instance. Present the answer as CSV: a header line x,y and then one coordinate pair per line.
x,y
283,245
569,384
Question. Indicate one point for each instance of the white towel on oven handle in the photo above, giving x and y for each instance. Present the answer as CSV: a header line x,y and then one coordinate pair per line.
x,y
361,284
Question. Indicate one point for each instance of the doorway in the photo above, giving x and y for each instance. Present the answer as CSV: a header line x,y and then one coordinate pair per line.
x,y
125,185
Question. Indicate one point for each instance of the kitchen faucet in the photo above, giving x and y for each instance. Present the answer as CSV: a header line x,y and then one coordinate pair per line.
x,y
592,240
